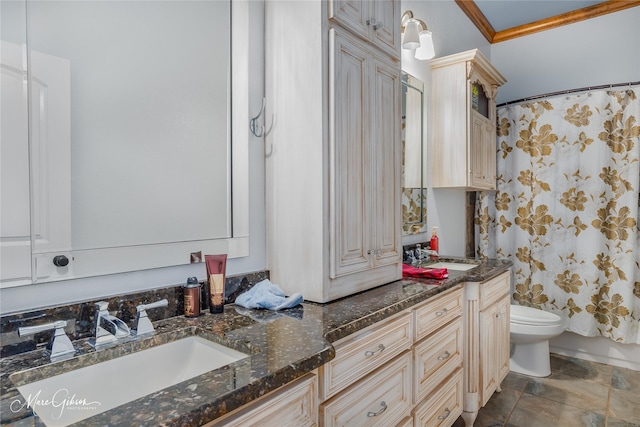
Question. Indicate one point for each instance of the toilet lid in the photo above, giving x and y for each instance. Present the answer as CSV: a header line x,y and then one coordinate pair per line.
x,y
532,316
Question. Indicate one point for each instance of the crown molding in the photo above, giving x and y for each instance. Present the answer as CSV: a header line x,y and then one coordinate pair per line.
x,y
472,11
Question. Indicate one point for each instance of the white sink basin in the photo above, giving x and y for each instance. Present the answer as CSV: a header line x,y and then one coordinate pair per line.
x,y
82,393
460,266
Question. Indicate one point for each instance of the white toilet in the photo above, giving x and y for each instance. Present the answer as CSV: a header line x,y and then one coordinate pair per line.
x,y
531,330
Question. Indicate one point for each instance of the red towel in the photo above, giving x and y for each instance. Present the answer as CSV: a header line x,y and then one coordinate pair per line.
x,y
424,273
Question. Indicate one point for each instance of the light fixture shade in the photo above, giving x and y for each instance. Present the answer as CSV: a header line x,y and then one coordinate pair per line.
x,y
411,39
426,50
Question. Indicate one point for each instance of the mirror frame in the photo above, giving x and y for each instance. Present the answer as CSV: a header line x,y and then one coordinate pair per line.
x,y
413,200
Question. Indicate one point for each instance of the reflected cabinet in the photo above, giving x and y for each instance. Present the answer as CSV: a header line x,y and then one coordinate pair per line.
x,y
463,108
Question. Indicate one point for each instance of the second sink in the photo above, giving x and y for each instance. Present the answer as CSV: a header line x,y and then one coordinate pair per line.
x,y
459,266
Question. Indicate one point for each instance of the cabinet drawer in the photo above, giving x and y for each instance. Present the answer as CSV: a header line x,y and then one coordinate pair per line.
x,y
363,352
444,407
407,422
294,405
494,289
437,312
436,357
381,399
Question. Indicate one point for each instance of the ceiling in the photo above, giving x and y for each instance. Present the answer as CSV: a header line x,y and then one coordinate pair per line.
x,y
500,20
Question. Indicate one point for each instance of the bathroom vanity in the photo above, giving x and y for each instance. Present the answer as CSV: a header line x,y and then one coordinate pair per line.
x,y
313,365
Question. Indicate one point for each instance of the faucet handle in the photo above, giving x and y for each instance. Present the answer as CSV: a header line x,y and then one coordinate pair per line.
x,y
30,330
60,346
142,325
143,307
102,306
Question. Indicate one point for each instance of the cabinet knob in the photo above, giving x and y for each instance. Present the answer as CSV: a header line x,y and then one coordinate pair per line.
x,y
376,25
374,252
60,261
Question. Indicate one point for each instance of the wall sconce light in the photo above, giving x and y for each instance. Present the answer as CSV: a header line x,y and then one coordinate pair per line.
x,y
415,35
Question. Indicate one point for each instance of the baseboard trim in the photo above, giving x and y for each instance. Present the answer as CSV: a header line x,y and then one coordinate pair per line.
x,y
597,349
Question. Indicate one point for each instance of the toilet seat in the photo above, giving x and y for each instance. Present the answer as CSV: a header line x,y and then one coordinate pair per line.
x,y
523,315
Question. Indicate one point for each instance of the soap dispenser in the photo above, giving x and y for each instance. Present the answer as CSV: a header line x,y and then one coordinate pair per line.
x,y
433,244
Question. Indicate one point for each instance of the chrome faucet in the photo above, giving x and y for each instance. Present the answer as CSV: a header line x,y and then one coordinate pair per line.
x,y
109,329
142,325
60,346
426,253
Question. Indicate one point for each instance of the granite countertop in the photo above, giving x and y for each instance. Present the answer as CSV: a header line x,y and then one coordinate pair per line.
x,y
282,346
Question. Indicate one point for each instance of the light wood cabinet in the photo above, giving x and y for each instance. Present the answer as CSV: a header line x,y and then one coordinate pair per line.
x,y
406,370
380,399
361,353
292,405
494,333
437,359
369,382
486,349
365,90
463,108
332,157
377,21
443,407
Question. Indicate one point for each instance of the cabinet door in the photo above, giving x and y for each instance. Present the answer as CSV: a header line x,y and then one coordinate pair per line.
x,y
385,114
375,20
353,14
349,153
503,346
494,347
385,32
482,152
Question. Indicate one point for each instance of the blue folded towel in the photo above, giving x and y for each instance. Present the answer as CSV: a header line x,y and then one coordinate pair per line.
x,y
267,295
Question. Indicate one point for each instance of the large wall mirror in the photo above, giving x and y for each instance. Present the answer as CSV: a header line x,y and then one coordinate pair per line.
x,y
116,137
414,156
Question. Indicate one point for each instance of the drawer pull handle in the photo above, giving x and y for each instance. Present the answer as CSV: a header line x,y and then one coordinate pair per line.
x,y
375,414
373,353
447,412
446,355
441,312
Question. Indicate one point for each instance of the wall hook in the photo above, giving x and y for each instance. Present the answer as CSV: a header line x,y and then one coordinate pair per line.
x,y
257,129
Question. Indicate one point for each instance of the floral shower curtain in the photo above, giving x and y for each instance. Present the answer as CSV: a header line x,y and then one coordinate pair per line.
x,y
566,209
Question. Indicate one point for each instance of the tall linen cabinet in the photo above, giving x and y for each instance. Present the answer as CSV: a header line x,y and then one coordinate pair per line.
x,y
333,153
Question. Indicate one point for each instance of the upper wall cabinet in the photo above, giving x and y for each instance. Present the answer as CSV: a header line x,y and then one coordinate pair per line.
x,y
377,21
463,107
333,156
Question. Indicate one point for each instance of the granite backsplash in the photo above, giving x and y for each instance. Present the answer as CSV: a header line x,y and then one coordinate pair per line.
x,y
80,316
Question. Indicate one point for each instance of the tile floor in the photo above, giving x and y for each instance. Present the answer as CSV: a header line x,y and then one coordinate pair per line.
x,y
577,393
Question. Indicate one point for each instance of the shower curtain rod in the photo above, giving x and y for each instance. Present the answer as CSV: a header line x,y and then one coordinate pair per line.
x,y
563,92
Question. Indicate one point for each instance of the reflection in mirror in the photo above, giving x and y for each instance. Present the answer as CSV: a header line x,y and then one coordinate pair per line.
x,y
125,126
414,204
